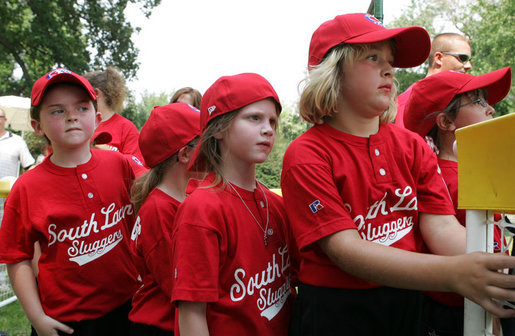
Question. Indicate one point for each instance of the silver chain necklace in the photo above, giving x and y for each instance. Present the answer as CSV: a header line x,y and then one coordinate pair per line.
x,y
265,230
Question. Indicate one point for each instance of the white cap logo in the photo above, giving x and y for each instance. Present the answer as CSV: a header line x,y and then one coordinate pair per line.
x,y
211,109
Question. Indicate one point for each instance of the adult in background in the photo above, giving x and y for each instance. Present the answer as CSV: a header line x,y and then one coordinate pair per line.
x,y
13,151
187,95
111,92
449,51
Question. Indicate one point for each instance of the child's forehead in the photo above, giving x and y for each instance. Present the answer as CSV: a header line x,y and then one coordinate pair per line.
x,y
262,105
61,93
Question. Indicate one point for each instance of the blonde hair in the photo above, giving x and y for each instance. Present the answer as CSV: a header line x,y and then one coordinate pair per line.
x,y
210,148
321,87
112,85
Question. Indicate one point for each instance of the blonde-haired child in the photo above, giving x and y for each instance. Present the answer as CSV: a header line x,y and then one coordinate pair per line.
x,y
363,195
231,254
167,142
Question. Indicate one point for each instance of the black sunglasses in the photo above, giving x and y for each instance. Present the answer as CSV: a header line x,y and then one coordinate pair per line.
x,y
463,58
480,101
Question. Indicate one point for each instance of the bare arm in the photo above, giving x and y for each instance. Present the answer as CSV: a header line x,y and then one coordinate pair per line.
x,y
24,285
192,319
472,275
443,234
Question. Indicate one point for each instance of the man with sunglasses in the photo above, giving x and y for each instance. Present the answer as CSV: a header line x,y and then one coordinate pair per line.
x,y
13,151
449,51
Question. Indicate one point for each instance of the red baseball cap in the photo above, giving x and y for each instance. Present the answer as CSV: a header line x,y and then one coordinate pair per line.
x,y
230,93
412,43
433,94
167,130
102,138
59,75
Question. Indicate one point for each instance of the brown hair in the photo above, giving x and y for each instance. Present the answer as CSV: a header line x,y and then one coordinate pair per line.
x,y
321,90
144,184
112,85
195,94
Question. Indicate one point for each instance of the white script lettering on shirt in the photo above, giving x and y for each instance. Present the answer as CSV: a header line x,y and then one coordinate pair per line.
x,y
84,230
391,231
269,302
83,251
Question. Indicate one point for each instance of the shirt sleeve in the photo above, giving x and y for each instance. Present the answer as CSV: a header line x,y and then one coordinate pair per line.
x,y
314,206
196,264
432,193
26,158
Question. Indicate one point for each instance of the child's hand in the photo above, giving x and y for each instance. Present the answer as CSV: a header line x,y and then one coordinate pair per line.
x,y
477,276
47,326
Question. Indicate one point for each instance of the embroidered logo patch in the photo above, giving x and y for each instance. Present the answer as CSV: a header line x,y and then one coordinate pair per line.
x,y
135,159
57,72
316,206
211,109
373,19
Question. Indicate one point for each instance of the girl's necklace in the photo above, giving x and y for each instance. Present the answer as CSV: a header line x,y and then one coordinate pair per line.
x,y
265,229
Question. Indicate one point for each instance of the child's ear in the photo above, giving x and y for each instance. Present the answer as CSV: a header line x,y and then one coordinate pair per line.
x,y
36,125
98,119
445,123
185,154
218,136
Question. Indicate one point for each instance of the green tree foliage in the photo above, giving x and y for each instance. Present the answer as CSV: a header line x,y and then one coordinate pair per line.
x,y
487,23
37,35
290,127
138,113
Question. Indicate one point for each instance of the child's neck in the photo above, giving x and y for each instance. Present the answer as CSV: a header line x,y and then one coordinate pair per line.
x,y
70,158
107,113
353,123
174,182
244,175
445,143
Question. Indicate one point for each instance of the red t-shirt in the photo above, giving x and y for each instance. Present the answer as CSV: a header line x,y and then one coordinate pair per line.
x,y
220,257
151,244
402,99
124,135
333,181
82,218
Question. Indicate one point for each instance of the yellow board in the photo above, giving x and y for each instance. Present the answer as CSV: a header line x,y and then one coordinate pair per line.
x,y
486,165
5,188
277,191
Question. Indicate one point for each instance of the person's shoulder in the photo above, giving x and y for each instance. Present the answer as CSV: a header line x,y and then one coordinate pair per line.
x,y
401,134
123,121
311,147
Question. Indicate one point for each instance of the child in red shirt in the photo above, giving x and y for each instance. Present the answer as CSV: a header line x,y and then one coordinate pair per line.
x,y
79,213
437,107
231,252
167,142
363,195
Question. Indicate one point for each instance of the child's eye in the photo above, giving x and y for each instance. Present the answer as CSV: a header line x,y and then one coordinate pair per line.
x,y
372,57
83,108
57,111
254,117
